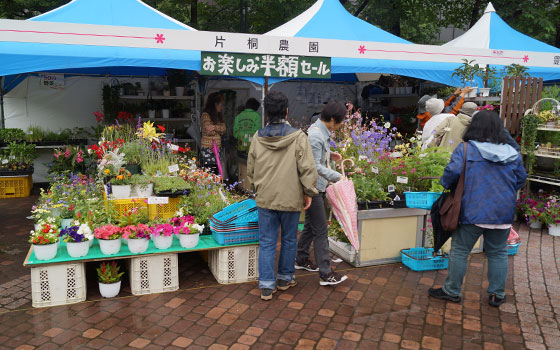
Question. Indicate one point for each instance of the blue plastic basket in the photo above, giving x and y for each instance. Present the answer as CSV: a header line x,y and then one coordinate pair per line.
x,y
512,248
420,259
236,237
421,200
237,213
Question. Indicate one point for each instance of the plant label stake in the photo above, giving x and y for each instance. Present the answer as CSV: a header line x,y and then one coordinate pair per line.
x,y
391,188
173,168
402,179
374,170
158,200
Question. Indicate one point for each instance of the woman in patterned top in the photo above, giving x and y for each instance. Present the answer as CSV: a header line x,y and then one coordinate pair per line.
x,y
213,127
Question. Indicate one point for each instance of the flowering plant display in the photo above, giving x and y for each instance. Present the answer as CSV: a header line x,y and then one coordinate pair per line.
x,y
137,232
532,208
122,177
72,234
109,272
133,216
46,234
149,132
163,230
108,232
551,214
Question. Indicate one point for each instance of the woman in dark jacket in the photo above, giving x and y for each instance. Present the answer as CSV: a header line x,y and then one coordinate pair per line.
x,y
494,173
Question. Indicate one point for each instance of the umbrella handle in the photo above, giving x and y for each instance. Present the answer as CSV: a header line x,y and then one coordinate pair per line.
x,y
342,165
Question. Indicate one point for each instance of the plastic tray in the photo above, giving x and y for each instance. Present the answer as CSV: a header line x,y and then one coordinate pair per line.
x,y
236,237
421,200
154,274
15,186
58,284
420,259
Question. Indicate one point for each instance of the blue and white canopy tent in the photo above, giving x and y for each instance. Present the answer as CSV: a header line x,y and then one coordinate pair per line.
x,y
328,19
491,32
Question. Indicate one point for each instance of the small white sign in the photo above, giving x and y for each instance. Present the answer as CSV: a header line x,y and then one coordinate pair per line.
x,y
402,179
173,147
374,170
391,188
52,81
158,200
173,168
4,161
12,157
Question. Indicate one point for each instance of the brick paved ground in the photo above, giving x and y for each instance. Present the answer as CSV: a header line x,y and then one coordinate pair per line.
x,y
383,307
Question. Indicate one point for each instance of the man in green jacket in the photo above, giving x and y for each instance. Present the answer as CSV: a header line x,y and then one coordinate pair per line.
x,y
248,121
281,170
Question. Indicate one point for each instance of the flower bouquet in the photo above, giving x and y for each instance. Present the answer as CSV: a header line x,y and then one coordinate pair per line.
x,y
77,244
109,239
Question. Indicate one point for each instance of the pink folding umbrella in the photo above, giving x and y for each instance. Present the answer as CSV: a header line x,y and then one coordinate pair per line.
x,y
216,152
345,208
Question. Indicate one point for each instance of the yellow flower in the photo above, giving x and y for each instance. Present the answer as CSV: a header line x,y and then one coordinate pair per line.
x,y
149,132
107,171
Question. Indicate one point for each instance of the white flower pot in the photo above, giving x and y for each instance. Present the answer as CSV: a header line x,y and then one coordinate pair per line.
x,y
537,225
151,113
45,251
90,242
402,90
554,230
484,92
162,242
110,246
121,191
189,241
144,191
138,246
165,113
473,92
408,90
77,249
109,290
166,93
179,90
64,223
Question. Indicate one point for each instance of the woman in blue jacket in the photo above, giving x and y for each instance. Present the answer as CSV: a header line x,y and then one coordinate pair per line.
x,y
494,173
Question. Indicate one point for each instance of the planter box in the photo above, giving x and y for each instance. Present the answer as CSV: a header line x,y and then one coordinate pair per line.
x,y
154,274
58,284
382,235
235,264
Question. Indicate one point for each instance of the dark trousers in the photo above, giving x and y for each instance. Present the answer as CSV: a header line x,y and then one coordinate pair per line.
x,y
315,230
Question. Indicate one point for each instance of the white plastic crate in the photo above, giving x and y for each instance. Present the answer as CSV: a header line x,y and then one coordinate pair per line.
x,y
58,284
154,274
234,264
343,250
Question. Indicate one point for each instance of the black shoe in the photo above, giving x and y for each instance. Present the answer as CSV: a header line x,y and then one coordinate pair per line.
x,y
332,279
266,294
285,285
495,300
307,265
440,294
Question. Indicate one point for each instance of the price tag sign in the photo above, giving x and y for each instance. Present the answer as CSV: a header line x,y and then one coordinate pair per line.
x,y
4,161
173,147
173,168
408,189
158,200
402,179
391,188
12,157
374,170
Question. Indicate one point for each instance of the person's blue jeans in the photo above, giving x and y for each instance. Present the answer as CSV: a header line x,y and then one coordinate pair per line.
x,y
495,246
270,221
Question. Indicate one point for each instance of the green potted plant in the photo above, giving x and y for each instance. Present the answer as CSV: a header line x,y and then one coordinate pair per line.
x,y
178,79
11,134
109,279
142,184
170,186
467,73
133,154
530,123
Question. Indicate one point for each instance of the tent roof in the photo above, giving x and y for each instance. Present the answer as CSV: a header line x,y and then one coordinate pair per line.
x,y
128,13
491,32
328,19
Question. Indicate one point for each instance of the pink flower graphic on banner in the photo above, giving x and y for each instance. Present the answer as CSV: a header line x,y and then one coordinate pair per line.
x,y
362,49
159,38
526,58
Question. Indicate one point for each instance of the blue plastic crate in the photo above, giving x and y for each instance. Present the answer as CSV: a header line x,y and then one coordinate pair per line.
x,y
238,213
512,248
236,237
421,200
421,259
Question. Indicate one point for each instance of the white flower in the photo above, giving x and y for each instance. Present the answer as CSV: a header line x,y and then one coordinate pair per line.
x,y
413,139
197,227
86,231
387,125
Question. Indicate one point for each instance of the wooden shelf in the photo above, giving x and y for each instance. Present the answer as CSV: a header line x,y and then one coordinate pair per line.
x,y
544,128
134,97
481,99
545,155
544,180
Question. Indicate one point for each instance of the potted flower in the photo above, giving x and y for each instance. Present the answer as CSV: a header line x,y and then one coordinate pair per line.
x,y
162,235
45,241
109,279
120,184
143,185
551,216
85,230
77,244
138,237
133,152
533,210
66,216
170,186
187,230
109,239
